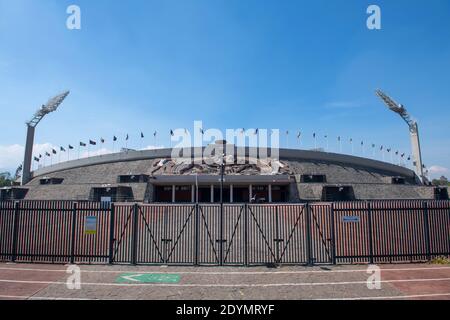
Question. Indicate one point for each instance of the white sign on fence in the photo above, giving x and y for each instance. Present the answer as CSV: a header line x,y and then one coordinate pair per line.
x,y
90,225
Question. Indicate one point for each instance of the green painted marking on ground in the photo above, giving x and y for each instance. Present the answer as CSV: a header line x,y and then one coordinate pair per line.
x,y
147,278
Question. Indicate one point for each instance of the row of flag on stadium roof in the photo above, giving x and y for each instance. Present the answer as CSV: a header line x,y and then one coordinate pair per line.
x,y
299,134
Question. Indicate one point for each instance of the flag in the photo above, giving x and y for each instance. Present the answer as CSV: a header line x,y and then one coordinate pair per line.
x,y
314,135
339,138
396,153
62,149
326,136
299,134
48,154
287,132
70,147
53,151
36,159
102,140
92,142
40,156
155,133
82,144
256,131
388,150
402,155
114,138
381,148
351,140
362,143
142,135
127,137
373,145
409,158
171,132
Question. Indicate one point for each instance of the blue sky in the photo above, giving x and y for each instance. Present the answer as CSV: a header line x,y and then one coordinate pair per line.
x,y
291,65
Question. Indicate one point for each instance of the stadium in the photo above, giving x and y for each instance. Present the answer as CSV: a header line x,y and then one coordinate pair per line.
x,y
252,175
152,176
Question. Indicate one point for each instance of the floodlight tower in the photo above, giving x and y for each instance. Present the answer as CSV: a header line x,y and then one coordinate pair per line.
x,y
413,131
51,106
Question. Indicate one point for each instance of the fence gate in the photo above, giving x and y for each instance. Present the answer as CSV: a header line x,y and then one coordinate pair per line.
x,y
320,233
276,234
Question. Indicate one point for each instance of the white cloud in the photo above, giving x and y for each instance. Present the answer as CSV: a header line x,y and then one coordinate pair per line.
x,y
437,171
92,153
10,157
153,147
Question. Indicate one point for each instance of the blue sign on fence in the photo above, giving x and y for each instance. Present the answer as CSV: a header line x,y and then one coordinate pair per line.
x,y
351,219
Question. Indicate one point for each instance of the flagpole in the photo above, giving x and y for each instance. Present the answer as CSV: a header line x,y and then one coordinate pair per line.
x,y
287,140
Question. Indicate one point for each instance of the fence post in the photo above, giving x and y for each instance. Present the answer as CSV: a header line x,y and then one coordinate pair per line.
x,y
277,237
426,222
246,235
72,241
333,236
308,235
370,231
111,233
135,235
221,235
15,230
197,234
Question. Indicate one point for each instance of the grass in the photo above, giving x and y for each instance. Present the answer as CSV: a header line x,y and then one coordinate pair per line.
x,y
440,260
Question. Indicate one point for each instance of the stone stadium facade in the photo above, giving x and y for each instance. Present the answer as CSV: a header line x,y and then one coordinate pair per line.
x,y
151,176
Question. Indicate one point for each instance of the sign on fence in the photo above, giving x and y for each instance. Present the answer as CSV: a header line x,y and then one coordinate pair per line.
x,y
90,225
349,219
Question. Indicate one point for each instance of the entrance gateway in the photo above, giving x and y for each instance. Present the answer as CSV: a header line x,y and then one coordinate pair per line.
x,y
236,189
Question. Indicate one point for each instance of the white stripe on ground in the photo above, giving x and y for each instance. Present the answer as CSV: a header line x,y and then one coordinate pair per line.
x,y
220,285
41,298
430,295
395,297
225,272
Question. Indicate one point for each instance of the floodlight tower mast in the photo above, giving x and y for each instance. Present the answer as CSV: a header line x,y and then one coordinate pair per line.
x,y
51,106
413,131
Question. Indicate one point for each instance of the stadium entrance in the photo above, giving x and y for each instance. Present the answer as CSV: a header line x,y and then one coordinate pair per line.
x,y
241,193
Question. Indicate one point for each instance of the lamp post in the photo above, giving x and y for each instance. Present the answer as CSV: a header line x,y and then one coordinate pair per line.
x,y
413,131
51,106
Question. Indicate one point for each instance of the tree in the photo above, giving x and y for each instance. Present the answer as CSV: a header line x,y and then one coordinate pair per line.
x,y
6,179
442,181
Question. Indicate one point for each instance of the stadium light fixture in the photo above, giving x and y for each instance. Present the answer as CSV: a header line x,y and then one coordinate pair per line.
x,y
413,130
51,106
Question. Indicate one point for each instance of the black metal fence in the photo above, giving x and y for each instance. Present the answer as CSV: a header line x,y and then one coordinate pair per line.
x,y
208,234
